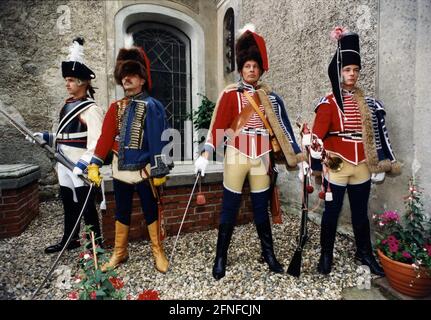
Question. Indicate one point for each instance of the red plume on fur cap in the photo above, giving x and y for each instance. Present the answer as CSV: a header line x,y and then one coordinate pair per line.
x,y
133,60
251,46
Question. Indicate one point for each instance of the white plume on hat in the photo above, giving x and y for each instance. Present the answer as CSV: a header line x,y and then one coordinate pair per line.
x,y
248,26
128,41
76,52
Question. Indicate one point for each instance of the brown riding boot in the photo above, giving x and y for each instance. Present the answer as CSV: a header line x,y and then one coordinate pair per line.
x,y
158,252
120,253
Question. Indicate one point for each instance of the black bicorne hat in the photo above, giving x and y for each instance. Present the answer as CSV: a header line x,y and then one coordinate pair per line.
x,y
74,66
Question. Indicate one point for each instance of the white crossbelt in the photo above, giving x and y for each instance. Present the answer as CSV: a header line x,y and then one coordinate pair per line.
x,y
67,136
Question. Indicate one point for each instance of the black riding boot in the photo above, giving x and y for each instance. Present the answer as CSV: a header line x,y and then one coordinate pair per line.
x,y
224,236
364,252
328,228
327,239
358,197
70,217
265,235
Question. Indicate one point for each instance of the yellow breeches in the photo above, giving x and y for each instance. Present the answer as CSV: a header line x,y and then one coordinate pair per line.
x,y
237,167
350,174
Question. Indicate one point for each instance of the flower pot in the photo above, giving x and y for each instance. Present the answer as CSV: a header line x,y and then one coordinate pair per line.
x,y
404,278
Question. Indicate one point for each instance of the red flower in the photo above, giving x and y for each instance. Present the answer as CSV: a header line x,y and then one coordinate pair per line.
x,y
428,247
148,295
93,295
73,295
117,283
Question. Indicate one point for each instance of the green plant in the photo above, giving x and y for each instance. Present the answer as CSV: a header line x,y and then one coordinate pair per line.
x,y
91,283
406,239
202,117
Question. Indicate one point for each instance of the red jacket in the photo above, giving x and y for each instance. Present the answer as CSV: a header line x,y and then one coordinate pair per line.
x,y
110,130
229,106
330,119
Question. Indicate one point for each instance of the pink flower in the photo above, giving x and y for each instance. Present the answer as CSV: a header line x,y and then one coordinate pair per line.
x,y
393,247
337,33
407,255
391,215
392,239
93,295
73,295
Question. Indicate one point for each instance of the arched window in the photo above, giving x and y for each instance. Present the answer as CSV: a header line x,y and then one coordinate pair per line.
x,y
168,50
229,41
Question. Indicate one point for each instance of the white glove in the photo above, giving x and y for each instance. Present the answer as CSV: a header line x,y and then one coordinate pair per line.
x,y
200,165
77,171
36,134
303,170
316,149
306,140
378,177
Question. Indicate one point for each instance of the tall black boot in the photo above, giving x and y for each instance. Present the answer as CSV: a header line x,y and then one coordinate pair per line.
x,y
328,228
91,217
327,240
70,217
224,236
358,197
364,253
265,235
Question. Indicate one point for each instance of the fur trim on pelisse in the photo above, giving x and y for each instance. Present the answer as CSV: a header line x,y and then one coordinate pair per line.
x,y
278,131
301,157
384,166
367,132
264,87
395,169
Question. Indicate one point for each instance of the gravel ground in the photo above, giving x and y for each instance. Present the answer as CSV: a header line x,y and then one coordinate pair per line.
x,y
24,265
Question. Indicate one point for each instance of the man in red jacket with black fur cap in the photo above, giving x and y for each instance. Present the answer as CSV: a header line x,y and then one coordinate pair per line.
x,y
249,150
132,129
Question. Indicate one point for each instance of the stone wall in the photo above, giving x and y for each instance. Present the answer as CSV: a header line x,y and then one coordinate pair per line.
x,y
404,85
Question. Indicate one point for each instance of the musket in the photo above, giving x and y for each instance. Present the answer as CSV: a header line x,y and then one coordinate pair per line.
x,y
295,264
43,144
